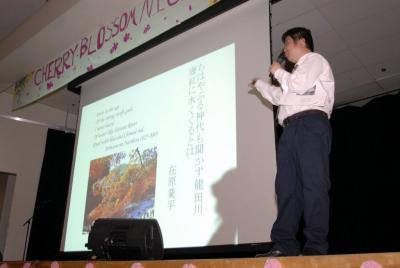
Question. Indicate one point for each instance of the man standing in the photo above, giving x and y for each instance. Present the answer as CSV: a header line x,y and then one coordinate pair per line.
x,y
305,99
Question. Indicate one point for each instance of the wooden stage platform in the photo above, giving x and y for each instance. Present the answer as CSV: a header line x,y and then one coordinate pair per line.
x,y
375,260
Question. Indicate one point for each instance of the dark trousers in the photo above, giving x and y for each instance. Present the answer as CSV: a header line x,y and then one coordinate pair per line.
x,y
302,184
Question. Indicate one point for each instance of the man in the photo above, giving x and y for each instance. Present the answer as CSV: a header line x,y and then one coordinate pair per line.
x,y
305,99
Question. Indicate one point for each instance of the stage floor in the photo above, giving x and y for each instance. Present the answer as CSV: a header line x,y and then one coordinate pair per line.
x,y
374,260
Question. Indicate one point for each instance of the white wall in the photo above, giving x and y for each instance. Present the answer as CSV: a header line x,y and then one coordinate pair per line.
x,y
3,185
7,189
22,148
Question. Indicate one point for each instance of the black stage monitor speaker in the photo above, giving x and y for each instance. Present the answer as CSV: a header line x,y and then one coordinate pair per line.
x,y
126,239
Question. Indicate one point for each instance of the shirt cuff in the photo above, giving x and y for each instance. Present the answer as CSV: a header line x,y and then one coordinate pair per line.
x,y
259,84
279,74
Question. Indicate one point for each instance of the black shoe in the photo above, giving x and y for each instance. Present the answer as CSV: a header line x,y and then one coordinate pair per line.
x,y
310,252
272,253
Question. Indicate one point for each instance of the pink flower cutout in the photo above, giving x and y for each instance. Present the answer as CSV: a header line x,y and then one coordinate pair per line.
x,y
370,264
189,265
114,47
127,37
272,263
54,264
89,68
27,265
89,265
49,85
147,28
3,265
137,265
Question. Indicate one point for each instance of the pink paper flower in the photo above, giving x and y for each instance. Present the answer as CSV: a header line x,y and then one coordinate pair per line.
x,y
89,265
137,265
370,264
89,68
189,265
272,263
54,264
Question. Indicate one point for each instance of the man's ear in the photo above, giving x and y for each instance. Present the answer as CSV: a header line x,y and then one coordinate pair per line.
x,y
302,42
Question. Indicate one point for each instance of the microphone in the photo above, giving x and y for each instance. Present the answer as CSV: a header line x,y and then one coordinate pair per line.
x,y
281,60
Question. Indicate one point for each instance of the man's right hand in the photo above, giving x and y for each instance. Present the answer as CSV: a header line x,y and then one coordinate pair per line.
x,y
252,84
274,67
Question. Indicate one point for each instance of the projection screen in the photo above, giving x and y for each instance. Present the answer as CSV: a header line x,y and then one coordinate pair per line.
x,y
176,134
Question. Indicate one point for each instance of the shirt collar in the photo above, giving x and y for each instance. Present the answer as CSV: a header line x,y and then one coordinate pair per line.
x,y
302,58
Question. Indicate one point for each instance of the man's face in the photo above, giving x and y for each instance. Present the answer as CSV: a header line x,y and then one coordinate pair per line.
x,y
293,49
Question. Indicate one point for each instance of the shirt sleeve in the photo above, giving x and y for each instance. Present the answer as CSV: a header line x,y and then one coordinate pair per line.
x,y
272,93
303,78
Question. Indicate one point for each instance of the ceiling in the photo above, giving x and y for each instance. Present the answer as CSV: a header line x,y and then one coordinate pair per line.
x,y
360,39
15,12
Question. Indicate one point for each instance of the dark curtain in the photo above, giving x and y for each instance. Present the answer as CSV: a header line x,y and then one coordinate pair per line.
x,y
365,175
51,199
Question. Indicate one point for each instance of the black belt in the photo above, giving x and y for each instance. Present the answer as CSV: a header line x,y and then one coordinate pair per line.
x,y
298,115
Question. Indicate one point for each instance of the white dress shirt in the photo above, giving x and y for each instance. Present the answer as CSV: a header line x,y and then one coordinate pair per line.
x,y
310,86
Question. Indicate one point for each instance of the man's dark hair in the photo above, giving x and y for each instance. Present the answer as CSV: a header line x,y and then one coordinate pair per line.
x,y
298,33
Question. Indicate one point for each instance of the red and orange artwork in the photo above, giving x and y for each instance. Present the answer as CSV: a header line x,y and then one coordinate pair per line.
x,y
121,185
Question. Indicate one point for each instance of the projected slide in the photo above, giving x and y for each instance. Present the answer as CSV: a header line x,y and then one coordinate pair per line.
x,y
155,149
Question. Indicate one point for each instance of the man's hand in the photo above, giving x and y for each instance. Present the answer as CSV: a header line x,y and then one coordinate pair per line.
x,y
252,84
274,67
